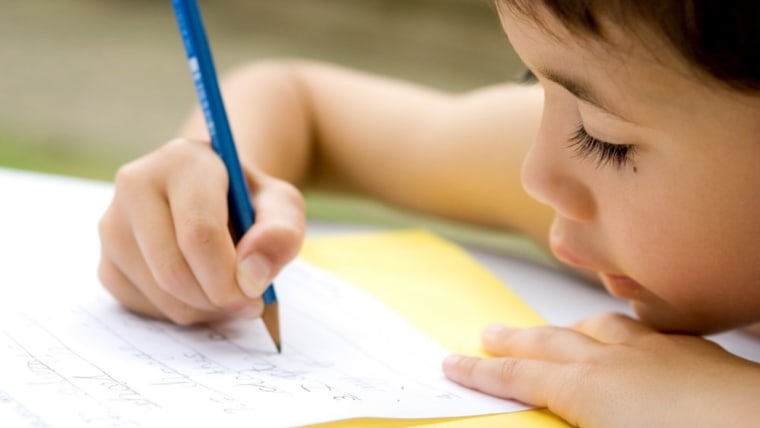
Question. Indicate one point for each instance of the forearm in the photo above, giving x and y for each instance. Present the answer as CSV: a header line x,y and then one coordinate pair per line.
x,y
450,155
270,119
313,124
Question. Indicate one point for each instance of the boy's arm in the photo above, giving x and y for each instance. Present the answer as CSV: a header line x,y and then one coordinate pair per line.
x,y
165,245
611,370
457,156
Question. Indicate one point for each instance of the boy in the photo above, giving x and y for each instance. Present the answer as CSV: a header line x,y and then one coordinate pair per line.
x,y
641,145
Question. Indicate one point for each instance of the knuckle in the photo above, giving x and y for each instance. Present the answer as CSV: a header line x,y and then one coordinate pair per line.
x,y
127,177
290,193
106,275
600,322
284,239
184,152
290,240
170,276
537,334
224,297
509,369
116,240
178,143
105,226
116,284
286,195
533,337
176,147
197,232
185,315
279,241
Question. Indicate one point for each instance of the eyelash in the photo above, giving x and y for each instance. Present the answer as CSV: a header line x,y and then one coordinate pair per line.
x,y
605,153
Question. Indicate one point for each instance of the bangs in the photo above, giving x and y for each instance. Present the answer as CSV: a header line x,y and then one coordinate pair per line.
x,y
578,15
719,39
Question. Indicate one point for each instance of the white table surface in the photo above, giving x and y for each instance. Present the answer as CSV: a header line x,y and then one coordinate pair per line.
x,y
50,222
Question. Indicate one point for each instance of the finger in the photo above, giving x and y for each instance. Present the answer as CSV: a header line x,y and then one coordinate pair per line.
x,y
133,299
276,237
611,328
519,379
543,343
123,265
124,291
154,235
200,218
141,197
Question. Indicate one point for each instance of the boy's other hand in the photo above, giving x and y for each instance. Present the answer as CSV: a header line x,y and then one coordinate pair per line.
x,y
612,371
166,248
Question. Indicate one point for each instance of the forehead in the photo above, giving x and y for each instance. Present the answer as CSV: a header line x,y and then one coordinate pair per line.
x,y
627,69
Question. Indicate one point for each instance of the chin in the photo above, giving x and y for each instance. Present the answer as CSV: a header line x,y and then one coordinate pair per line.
x,y
673,321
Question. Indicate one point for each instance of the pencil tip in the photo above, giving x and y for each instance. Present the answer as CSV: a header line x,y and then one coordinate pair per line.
x,y
271,318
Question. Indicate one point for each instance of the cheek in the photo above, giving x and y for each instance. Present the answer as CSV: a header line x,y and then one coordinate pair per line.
x,y
696,253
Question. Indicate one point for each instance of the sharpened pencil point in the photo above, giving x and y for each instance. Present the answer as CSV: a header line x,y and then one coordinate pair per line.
x,y
271,318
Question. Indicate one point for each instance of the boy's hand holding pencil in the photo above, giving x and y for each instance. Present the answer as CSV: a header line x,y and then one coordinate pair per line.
x,y
167,251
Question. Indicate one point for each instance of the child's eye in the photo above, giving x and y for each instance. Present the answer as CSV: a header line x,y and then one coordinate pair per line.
x,y
605,153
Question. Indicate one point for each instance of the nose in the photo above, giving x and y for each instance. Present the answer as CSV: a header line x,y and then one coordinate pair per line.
x,y
551,175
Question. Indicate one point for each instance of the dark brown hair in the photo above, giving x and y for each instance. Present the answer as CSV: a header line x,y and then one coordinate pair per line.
x,y
719,37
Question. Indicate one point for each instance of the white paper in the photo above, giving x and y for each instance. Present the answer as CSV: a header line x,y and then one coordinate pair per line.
x,y
81,360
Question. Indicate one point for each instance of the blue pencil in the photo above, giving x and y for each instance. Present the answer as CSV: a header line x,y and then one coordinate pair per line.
x,y
203,73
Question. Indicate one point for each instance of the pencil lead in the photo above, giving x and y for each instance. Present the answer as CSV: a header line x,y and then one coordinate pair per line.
x,y
271,318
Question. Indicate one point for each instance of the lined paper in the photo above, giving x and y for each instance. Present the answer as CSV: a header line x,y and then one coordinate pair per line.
x,y
82,360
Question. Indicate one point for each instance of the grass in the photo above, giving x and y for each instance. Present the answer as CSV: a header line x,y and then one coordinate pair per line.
x,y
38,153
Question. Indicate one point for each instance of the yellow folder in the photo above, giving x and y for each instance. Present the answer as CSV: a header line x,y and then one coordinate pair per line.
x,y
442,291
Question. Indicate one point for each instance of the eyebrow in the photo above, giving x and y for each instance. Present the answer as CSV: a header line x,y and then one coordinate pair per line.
x,y
581,90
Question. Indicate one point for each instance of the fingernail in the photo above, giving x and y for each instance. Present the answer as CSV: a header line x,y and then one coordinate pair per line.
x,y
451,361
253,275
493,331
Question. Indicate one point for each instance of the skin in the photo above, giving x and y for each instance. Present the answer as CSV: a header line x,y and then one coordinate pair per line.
x,y
166,250
609,219
661,218
671,229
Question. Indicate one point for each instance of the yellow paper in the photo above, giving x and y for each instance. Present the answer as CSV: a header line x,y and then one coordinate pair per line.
x,y
441,290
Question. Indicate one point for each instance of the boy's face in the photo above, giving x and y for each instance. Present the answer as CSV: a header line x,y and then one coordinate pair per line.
x,y
670,223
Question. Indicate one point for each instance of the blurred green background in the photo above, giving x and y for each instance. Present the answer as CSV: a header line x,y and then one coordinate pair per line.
x,y
86,85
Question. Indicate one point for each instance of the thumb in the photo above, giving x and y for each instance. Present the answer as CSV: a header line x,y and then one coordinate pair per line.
x,y
274,240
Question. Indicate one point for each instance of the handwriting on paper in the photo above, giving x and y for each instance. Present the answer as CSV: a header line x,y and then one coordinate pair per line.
x,y
86,361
